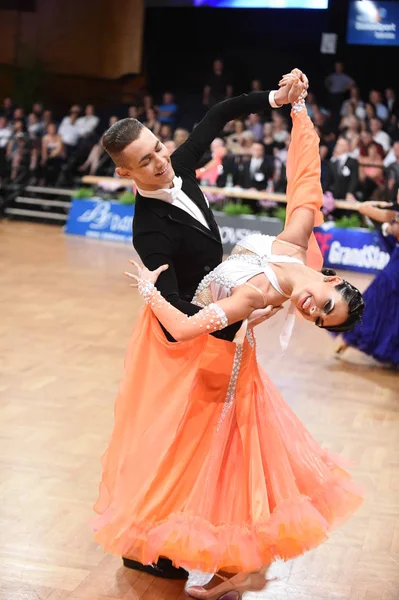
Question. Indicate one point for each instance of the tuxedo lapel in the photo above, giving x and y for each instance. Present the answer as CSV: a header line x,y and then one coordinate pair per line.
x,y
166,210
196,195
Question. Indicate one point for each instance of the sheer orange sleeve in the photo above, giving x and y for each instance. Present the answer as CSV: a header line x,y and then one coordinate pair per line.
x,y
209,319
303,176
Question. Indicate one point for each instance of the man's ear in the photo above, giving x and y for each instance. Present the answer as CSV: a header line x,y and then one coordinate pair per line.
x,y
122,172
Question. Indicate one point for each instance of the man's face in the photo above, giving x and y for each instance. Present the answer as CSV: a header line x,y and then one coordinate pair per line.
x,y
366,138
3,122
257,151
217,143
374,97
396,150
339,67
218,66
132,112
341,147
147,161
375,126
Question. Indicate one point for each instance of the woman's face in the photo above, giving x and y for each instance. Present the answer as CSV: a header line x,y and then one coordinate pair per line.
x,y
321,303
370,110
278,120
372,151
353,124
268,129
238,126
351,109
51,129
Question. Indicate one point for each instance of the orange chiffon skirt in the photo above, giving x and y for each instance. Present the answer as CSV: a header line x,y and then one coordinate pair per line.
x,y
207,482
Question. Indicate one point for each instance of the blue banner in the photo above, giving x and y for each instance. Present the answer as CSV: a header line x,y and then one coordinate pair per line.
x,y
373,23
347,249
102,220
352,249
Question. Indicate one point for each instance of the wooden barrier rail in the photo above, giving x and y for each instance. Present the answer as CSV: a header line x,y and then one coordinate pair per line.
x,y
233,192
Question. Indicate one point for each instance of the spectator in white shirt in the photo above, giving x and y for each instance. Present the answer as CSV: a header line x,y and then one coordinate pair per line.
x,y
88,123
360,109
380,108
69,131
34,126
380,136
5,134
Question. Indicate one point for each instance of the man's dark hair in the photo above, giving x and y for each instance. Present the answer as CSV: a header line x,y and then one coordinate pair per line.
x,y
355,302
119,136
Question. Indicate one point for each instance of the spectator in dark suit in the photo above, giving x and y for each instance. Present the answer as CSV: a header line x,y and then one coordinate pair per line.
x,y
391,101
342,178
256,171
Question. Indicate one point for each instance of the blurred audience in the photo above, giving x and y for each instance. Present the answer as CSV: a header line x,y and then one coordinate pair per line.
x,y
359,140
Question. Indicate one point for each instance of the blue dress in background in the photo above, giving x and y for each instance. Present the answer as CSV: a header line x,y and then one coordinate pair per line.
x,y
378,333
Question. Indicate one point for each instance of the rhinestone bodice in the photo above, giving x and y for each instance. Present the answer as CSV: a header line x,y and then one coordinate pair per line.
x,y
250,257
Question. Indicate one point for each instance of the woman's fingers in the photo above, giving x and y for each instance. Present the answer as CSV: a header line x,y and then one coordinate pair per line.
x,y
161,269
295,92
133,262
131,276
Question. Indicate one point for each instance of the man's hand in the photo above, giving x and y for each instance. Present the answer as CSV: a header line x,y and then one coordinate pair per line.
x,y
262,314
293,86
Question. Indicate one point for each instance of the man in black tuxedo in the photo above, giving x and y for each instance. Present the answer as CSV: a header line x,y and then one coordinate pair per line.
x,y
173,223
342,177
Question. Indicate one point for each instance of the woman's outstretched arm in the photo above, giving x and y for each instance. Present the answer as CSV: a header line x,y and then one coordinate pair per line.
x,y
238,307
304,192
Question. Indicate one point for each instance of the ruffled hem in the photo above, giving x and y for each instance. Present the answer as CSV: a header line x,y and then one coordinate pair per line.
x,y
194,543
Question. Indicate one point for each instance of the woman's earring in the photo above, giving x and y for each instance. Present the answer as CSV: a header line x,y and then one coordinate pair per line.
x,y
326,280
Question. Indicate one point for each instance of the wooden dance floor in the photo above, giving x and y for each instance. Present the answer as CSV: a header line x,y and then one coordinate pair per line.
x,y
66,314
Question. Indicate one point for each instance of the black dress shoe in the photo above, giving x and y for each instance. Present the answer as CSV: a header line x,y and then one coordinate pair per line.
x,y
163,568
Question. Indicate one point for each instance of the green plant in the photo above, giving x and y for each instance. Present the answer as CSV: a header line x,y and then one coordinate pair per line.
x,y
233,209
84,192
280,213
351,222
127,198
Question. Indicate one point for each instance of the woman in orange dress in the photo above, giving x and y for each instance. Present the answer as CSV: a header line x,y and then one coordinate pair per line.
x,y
207,464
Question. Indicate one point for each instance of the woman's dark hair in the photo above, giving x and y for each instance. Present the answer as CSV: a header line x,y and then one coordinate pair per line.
x,y
355,302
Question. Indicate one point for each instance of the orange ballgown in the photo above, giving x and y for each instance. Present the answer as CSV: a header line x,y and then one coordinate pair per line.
x,y
210,479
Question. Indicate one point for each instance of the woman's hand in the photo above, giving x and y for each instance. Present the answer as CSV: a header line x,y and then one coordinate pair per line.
x,y
260,315
298,85
144,274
